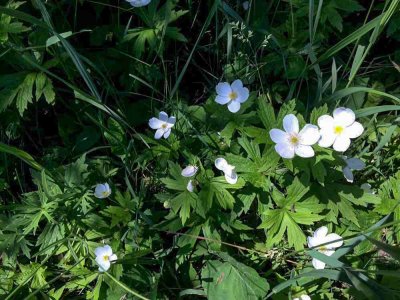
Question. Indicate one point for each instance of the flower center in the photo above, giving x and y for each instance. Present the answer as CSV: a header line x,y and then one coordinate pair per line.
x,y
164,126
322,248
338,130
106,258
294,139
233,96
105,193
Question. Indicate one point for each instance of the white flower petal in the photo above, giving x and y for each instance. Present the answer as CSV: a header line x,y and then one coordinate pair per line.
x,y
107,250
113,257
167,133
317,264
222,99
171,121
312,241
285,150
367,188
321,232
237,85
223,89
327,138
342,143
243,95
354,130
246,5
348,174
221,163
155,123
159,133
355,163
234,106
190,186
304,151
138,3
163,116
305,297
344,116
291,124
328,252
104,265
231,177
278,136
189,171
100,251
325,121
334,240
309,135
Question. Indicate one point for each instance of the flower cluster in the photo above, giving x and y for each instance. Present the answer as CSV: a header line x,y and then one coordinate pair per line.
x,y
333,131
336,131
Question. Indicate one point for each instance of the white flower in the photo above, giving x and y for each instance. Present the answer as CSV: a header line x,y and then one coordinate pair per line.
x,y
303,297
102,191
291,141
104,257
189,171
339,129
138,3
190,186
352,164
329,243
232,94
229,170
246,5
367,188
162,125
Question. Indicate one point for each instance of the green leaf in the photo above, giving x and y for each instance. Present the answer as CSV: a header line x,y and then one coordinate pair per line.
x,y
266,113
232,280
25,93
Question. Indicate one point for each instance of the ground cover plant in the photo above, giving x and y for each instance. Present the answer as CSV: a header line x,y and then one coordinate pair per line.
x,y
199,149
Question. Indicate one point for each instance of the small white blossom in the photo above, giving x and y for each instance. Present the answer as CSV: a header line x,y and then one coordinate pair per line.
x,y
229,171
246,5
162,125
190,186
189,171
232,94
328,242
138,3
367,188
339,129
102,191
352,164
104,257
291,141
303,297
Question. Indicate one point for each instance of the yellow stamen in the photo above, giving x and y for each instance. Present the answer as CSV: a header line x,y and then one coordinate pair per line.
x,y
322,248
233,96
294,139
338,129
105,193
106,258
164,125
